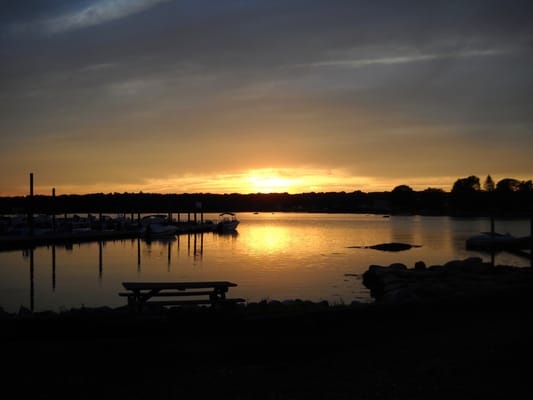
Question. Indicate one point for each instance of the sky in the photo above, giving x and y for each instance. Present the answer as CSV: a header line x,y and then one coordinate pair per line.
x,y
247,96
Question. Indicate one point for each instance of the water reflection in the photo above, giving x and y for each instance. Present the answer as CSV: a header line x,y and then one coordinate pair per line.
x,y
269,239
32,281
53,268
195,250
100,261
280,257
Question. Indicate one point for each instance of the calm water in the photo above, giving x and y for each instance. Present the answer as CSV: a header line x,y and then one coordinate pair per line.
x,y
275,256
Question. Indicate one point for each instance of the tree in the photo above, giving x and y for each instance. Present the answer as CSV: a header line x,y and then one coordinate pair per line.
x,y
489,184
466,185
508,185
403,198
526,186
402,189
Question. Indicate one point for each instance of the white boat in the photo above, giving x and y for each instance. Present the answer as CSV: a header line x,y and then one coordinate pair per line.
x,y
227,222
159,230
490,240
156,226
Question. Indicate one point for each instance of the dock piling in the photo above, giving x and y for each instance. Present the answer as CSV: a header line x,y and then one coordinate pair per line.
x,y
30,211
53,210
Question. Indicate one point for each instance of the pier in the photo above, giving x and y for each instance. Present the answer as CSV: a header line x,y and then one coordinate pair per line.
x,y
17,234
33,227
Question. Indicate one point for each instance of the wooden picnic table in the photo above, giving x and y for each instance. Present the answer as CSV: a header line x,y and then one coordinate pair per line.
x,y
189,293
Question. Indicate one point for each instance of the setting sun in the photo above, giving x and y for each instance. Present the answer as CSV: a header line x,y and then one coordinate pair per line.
x,y
265,183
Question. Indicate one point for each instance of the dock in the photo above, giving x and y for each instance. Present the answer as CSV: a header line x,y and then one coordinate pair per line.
x,y
24,238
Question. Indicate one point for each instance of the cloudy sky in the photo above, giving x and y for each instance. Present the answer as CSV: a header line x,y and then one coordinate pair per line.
x,y
245,96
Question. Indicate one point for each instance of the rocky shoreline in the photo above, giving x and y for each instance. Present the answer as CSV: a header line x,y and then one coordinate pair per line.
x,y
455,279
461,330
458,280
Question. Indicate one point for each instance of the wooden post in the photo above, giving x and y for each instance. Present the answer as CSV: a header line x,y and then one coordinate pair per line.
x,y
32,281
100,260
30,211
169,252
53,210
53,268
138,254
531,241
492,225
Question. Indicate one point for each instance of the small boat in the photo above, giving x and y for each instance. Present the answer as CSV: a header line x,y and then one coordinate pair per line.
x,y
490,240
156,226
158,230
228,222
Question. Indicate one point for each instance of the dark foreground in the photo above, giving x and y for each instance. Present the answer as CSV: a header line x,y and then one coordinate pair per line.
x,y
466,348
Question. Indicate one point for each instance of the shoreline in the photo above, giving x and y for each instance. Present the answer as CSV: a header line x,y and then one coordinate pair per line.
x,y
470,345
438,350
454,284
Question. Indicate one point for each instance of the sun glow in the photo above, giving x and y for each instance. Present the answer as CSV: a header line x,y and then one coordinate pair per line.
x,y
266,183
261,180
268,239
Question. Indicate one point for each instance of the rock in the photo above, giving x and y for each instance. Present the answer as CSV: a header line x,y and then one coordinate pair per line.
x,y
392,246
454,265
467,277
398,267
24,311
399,296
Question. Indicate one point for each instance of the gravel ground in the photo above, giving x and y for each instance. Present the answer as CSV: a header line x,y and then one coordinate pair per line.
x,y
465,348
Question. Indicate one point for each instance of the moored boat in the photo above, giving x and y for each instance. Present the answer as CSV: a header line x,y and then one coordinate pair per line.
x,y
490,240
228,222
156,226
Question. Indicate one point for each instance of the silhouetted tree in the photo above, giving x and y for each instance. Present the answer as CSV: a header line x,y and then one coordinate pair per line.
x,y
402,189
526,186
403,199
489,184
466,196
433,201
508,185
469,184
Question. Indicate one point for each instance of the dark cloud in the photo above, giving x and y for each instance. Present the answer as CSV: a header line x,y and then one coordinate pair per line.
x,y
328,72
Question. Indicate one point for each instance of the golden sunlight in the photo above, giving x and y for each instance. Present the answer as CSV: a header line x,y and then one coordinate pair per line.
x,y
261,180
268,239
266,183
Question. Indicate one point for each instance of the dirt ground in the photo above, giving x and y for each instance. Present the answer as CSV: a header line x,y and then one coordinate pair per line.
x,y
477,348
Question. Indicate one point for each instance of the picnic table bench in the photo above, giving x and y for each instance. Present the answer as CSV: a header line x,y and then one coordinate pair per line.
x,y
213,293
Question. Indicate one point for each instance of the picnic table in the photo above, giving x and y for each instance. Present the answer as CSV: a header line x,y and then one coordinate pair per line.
x,y
211,293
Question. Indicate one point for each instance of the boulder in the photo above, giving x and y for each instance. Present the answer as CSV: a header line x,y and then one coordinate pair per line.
x,y
468,277
392,246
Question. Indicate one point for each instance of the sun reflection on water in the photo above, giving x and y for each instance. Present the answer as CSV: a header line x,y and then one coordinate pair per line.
x,y
268,239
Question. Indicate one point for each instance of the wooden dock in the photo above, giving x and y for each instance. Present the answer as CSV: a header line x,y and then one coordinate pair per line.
x,y
28,240
16,242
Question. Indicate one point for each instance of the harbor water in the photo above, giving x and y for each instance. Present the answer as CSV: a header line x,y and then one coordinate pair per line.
x,y
271,256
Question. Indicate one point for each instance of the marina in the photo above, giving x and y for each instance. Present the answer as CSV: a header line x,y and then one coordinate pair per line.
x,y
17,233
271,256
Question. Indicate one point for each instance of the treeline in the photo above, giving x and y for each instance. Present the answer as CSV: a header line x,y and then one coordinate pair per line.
x,y
469,197
507,197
